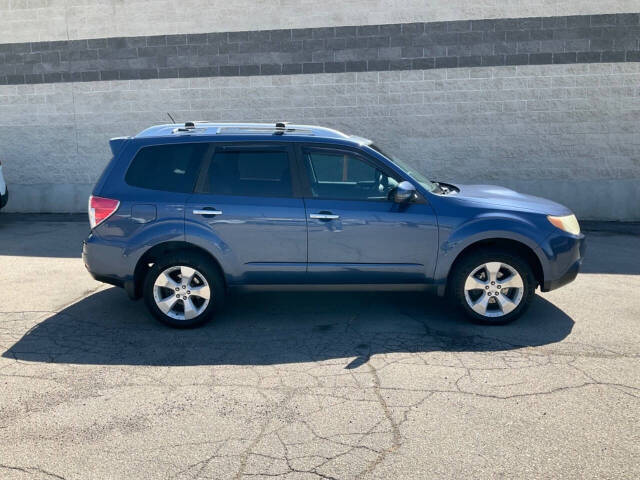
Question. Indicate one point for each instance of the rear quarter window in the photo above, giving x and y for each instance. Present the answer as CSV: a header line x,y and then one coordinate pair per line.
x,y
171,168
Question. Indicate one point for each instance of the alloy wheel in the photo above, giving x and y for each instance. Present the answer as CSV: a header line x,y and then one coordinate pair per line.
x,y
493,289
181,292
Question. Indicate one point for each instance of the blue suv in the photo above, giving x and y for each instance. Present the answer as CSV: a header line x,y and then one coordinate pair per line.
x,y
183,213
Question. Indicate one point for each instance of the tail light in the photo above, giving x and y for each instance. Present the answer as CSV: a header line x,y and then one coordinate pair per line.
x,y
100,209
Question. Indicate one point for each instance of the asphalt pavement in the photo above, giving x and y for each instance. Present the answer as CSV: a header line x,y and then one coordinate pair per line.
x,y
312,385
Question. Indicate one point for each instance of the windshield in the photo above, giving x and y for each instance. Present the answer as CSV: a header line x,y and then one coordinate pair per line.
x,y
419,177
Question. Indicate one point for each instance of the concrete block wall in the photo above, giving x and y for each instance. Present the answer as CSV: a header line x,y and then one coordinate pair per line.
x,y
468,92
46,20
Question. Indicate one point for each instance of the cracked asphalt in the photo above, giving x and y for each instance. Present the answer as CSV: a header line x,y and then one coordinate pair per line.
x,y
313,385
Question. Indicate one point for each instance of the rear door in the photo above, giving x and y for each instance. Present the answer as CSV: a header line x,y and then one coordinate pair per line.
x,y
248,212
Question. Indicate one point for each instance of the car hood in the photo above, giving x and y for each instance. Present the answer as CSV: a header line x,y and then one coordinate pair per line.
x,y
494,196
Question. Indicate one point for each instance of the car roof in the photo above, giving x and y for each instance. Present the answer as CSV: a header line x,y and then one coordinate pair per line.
x,y
249,131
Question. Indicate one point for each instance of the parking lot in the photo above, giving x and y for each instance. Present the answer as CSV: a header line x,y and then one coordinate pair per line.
x,y
308,385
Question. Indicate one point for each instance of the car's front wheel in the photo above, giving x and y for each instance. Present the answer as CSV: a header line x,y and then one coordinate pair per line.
x,y
183,290
493,287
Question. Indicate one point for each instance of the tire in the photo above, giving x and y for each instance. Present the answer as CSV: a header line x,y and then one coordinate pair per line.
x,y
189,305
472,290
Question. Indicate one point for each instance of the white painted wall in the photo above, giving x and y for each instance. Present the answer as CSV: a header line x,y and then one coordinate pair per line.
x,y
43,20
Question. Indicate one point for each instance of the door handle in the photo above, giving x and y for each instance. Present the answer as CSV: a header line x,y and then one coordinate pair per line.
x,y
324,216
207,211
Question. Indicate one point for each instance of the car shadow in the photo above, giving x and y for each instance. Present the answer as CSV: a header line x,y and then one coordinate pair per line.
x,y
277,328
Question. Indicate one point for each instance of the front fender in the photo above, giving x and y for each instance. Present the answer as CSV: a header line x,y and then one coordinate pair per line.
x,y
486,226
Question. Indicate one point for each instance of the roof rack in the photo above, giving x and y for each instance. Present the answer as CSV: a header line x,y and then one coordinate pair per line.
x,y
279,128
188,127
264,129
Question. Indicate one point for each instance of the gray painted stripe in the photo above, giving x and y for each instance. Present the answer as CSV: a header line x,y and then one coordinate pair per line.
x,y
408,46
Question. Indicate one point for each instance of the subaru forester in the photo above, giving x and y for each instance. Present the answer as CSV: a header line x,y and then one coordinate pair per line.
x,y
183,213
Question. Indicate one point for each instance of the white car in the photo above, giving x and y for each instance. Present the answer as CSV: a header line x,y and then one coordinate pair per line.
x,y
4,193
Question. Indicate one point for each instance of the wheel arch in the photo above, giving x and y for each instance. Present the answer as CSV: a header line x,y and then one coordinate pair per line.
x,y
157,251
504,244
517,232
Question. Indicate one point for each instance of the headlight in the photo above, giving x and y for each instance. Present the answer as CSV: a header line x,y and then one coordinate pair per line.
x,y
568,223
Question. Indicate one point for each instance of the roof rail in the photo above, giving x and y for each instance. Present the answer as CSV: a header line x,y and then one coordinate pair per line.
x,y
279,128
264,129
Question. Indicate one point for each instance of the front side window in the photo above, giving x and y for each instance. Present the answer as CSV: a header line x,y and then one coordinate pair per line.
x,y
341,175
171,168
251,173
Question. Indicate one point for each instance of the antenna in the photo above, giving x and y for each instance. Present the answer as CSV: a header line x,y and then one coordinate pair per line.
x,y
171,117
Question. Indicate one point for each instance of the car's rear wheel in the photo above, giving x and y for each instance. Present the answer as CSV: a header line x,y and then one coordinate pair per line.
x,y
493,287
183,290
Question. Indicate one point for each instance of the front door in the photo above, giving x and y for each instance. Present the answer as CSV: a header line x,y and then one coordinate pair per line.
x,y
356,234
245,211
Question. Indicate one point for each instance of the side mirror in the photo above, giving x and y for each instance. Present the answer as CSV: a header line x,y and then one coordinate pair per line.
x,y
405,192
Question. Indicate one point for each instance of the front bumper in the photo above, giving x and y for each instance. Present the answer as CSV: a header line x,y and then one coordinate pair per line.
x,y
565,254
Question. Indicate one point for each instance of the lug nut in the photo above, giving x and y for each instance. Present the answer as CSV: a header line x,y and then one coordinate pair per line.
x,y
493,283
184,286
499,287
489,293
487,287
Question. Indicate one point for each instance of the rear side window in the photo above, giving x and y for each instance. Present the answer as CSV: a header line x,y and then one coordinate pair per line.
x,y
171,168
252,173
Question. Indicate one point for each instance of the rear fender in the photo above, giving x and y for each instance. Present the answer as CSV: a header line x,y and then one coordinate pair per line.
x,y
133,240
205,238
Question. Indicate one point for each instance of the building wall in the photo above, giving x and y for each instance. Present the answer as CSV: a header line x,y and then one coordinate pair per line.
x,y
542,97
